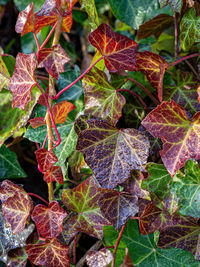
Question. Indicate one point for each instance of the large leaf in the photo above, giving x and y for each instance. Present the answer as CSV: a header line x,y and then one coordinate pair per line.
x,y
135,12
4,75
22,80
101,98
111,153
143,251
176,5
53,59
51,253
24,22
90,8
117,207
187,188
180,135
11,120
83,202
119,51
189,29
9,166
49,219
184,91
158,180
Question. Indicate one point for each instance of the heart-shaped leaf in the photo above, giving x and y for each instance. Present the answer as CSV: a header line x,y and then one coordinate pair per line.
x,y
24,22
49,219
119,51
54,174
111,153
101,98
22,80
46,159
83,202
180,135
53,60
51,253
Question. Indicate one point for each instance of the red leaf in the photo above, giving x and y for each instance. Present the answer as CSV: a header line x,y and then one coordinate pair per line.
x,y
61,110
180,135
153,66
49,219
16,210
36,122
53,59
8,189
52,253
54,174
23,80
119,51
24,22
46,159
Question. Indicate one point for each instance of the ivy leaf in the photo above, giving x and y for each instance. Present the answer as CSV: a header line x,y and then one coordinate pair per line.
x,y
182,233
187,189
158,180
121,150
4,75
51,253
36,122
16,210
53,60
24,22
48,7
49,219
184,91
154,26
176,5
54,174
61,110
90,9
99,258
180,135
23,80
83,201
143,251
117,207
46,159
189,29
101,98
153,66
119,51
8,190
9,166
17,257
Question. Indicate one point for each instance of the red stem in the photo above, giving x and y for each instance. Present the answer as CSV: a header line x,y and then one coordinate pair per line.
x,y
36,40
145,90
51,116
74,250
83,74
136,95
49,35
35,195
175,36
37,145
183,58
117,244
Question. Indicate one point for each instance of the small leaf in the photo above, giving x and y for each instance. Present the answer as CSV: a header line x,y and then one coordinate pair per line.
x,y
36,122
49,219
83,202
46,159
154,26
101,98
24,22
4,75
53,59
180,135
99,258
52,253
119,51
23,80
90,9
54,174
61,110
121,150
117,207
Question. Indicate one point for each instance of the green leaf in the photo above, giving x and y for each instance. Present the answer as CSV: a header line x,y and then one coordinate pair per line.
x,y
187,188
143,251
9,166
101,98
90,9
189,29
11,120
158,180
21,5
135,12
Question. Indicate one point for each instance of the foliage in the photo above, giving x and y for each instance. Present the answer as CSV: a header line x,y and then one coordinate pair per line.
x,y
121,164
